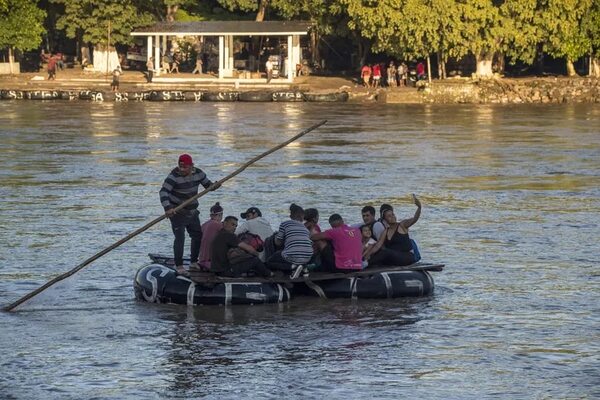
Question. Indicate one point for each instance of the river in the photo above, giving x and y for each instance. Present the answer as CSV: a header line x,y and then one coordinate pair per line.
x,y
511,205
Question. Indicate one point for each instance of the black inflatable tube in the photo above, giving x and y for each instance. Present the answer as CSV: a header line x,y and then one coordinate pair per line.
x,y
327,97
258,96
288,96
41,95
159,284
220,96
385,285
166,95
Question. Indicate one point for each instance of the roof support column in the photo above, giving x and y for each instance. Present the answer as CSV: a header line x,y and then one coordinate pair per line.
x,y
221,57
290,68
157,55
163,51
230,54
297,55
148,48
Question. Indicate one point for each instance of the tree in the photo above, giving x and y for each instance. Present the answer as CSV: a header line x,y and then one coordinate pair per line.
x,y
591,25
521,32
91,18
259,6
561,23
21,26
482,33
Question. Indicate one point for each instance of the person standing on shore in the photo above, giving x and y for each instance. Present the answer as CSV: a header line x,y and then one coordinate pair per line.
x,y
114,86
150,67
52,68
376,75
365,75
198,69
181,185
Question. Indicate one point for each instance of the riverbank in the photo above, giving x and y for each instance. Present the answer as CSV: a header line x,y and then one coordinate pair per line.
x,y
449,91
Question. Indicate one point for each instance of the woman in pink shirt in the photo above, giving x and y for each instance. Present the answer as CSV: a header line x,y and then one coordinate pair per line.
x,y
209,230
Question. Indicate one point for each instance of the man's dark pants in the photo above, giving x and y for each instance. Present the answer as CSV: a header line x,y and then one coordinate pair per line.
x,y
186,220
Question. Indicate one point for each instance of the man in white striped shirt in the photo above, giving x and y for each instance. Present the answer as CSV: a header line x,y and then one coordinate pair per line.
x,y
295,239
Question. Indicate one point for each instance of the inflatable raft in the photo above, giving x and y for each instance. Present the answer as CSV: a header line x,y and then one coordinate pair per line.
x,y
158,283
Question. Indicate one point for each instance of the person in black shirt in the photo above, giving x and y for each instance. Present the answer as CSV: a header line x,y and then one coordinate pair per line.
x,y
232,257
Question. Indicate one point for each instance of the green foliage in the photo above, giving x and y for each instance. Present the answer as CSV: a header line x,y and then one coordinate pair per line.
x,y
242,5
591,25
91,18
21,24
561,26
521,33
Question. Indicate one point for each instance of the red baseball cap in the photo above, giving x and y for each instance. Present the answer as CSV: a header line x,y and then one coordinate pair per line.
x,y
186,159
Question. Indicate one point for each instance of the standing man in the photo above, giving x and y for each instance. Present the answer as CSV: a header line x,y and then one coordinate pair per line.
x,y
198,69
150,67
114,86
269,69
52,68
181,185
365,74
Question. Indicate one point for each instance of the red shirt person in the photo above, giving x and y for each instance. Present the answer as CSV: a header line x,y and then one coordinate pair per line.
x,y
344,252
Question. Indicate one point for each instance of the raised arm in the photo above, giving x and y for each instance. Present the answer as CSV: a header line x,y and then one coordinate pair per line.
x,y
407,223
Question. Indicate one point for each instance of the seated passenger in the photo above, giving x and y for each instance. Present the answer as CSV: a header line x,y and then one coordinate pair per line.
x,y
209,230
232,257
368,217
344,250
395,238
255,224
311,222
367,238
294,237
380,225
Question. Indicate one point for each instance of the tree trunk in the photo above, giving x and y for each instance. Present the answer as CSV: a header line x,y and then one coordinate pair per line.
x,y
570,68
595,66
262,10
539,60
429,68
315,55
500,62
364,47
10,59
484,65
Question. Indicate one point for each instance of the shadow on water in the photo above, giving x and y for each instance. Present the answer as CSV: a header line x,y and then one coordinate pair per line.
x,y
210,343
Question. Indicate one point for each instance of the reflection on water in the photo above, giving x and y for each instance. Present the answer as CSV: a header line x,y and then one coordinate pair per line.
x,y
511,203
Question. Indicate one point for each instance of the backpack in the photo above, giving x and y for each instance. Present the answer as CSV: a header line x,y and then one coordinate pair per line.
x,y
253,240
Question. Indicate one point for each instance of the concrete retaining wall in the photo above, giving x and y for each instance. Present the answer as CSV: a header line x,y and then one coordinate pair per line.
x,y
514,91
5,68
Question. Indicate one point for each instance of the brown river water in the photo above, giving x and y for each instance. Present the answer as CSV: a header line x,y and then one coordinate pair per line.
x,y
511,205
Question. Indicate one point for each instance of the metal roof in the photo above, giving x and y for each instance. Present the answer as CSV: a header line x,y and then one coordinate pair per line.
x,y
218,28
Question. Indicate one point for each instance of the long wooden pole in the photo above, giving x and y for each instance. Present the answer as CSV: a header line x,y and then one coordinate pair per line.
x,y
113,246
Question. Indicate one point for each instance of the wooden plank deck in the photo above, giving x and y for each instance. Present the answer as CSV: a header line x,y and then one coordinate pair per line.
x,y
208,277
